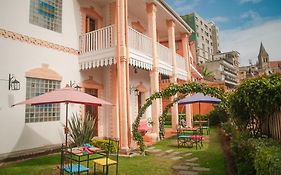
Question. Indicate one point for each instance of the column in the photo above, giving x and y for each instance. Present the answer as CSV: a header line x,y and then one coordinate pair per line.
x,y
122,61
173,78
154,73
185,43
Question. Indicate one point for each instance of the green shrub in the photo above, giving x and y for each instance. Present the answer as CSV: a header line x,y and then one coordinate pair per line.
x,y
256,156
243,152
168,120
268,157
218,115
104,144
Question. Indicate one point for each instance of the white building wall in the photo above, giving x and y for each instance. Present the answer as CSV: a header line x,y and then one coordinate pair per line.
x,y
136,79
14,16
18,58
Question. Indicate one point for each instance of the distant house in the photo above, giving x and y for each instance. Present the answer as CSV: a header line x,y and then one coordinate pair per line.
x,y
263,66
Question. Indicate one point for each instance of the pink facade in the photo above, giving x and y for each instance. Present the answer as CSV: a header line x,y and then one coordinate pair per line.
x,y
128,36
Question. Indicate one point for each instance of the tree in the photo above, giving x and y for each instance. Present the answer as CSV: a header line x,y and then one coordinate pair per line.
x,y
207,75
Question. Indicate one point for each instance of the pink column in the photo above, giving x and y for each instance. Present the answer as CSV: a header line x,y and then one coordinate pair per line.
x,y
172,46
122,61
185,43
154,73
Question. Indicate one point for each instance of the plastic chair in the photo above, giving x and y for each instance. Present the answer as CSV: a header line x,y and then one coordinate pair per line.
x,y
111,158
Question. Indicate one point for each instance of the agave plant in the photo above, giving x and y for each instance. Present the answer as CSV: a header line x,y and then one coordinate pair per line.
x,y
82,130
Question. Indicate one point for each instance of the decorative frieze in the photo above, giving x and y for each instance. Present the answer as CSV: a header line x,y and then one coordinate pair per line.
x,y
30,40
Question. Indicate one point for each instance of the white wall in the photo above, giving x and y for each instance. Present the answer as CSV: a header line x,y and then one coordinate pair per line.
x,y
14,16
135,79
18,58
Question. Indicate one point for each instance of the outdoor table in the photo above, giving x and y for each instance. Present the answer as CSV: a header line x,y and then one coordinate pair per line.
x,y
194,137
76,156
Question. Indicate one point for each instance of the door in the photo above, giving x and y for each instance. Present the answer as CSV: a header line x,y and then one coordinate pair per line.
x,y
93,110
91,24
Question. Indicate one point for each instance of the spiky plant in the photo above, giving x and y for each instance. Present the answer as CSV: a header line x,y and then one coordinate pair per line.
x,y
82,130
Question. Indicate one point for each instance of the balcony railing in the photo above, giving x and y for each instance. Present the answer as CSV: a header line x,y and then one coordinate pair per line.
x,y
165,59
181,62
97,40
140,42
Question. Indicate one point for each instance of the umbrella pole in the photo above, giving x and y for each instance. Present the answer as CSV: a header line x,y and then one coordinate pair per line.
x,y
66,127
200,117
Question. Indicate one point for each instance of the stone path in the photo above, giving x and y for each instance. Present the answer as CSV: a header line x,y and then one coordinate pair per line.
x,y
186,163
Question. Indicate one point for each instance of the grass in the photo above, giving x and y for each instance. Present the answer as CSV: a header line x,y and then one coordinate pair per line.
x,y
211,155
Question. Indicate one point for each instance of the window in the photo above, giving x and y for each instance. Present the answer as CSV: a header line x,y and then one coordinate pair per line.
x,y
46,14
41,113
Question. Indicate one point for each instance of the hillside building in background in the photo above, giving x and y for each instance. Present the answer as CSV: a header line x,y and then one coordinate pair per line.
x,y
263,66
205,36
225,68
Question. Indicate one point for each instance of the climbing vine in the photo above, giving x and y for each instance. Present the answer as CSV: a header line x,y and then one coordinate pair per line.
x,y
252,103
172,90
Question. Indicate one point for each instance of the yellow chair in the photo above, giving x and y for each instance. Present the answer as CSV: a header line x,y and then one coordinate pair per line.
x,y
111,158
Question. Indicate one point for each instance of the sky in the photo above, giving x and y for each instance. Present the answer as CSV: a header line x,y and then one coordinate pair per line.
x,y
243,24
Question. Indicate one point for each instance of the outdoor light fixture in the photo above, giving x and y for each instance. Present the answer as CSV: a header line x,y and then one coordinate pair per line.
x,y
133,90
74,85
14,84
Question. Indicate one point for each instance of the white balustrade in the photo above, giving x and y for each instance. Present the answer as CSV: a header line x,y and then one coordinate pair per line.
x,y
164,54
140,42
181,62
97,40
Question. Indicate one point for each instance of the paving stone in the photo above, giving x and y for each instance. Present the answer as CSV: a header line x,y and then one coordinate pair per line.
x,y
200,169
188,173
192,159
174,154
154,151
176,158
169,151
180,167
191,164
188,154
151,148
160,154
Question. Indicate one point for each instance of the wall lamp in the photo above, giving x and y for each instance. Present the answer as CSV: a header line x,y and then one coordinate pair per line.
x,y
14,84
134,90
74,85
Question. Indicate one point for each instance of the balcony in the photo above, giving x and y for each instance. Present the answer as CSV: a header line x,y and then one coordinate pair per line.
x,y
97,48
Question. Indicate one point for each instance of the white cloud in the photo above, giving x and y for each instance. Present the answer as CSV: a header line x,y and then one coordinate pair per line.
x,y
252,15
247,41
219,19
251,1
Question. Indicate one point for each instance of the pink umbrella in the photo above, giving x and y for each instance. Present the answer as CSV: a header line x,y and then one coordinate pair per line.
x,y
65,95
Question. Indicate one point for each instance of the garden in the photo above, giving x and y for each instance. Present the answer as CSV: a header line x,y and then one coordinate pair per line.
x,y
248,120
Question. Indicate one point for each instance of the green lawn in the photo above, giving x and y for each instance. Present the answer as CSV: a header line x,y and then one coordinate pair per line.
x,y
210,155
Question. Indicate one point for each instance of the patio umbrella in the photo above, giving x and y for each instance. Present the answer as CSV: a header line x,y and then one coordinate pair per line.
x,y
199,98
65,95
